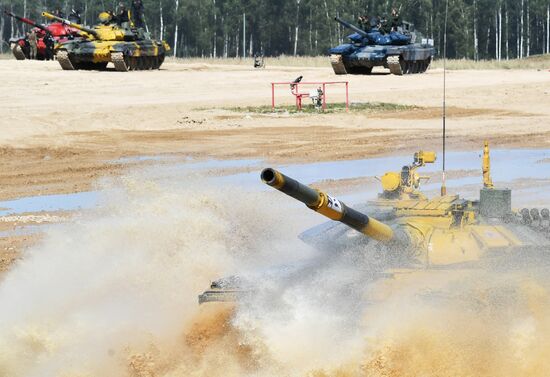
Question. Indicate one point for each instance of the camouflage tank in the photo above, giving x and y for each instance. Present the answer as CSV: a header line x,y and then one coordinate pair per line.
x,y
127,47
403,231
403,51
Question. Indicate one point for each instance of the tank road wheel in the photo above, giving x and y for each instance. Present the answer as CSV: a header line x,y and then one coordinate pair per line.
x,y
154,62
424,66
396,64
64,60
410,68
144,63
135,63
338,64
160,60
406,67
17,51
148,63
427,63
118,60
128,62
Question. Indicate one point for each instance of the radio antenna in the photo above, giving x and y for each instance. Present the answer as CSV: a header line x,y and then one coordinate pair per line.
x,y
443,177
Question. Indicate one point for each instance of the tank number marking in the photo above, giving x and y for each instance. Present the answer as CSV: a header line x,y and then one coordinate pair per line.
x,y
334,204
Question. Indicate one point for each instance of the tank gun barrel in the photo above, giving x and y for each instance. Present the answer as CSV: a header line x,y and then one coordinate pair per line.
x,y
328,206
27,21
351,26
71,24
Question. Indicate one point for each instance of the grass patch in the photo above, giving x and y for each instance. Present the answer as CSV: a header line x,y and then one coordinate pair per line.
x,y
362,107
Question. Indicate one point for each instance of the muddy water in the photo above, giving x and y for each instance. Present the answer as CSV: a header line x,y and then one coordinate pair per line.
x,y
508,166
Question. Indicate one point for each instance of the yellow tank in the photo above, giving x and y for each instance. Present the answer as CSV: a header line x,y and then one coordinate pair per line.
x,y
129,48
405,230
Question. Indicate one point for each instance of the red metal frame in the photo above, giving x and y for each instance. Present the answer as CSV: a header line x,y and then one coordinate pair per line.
x,y
295,90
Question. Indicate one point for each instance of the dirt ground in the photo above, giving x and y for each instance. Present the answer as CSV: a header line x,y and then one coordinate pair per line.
x,y
62,129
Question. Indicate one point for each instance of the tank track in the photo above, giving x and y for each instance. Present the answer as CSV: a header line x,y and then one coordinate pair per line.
x,y
338,64
394,64
401,67
118,60
64,61
136,63
17,52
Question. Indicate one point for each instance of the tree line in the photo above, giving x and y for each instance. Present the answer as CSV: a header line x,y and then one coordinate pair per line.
x,y
477,29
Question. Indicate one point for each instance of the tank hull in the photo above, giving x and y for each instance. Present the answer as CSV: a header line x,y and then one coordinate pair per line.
x,y
400,60
126,56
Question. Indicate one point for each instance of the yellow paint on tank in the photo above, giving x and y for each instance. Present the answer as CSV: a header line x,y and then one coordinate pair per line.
x,y
378,230
391,181
426,157
494,237
446,247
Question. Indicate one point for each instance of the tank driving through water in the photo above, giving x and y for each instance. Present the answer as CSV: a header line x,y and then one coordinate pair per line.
x,y
20,46
402,51
127,47
405,231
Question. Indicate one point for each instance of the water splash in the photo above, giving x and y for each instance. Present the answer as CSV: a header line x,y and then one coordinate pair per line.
x,y
115,294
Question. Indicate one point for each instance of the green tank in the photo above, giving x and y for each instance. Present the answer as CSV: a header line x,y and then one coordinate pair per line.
x,y
127,47
405,233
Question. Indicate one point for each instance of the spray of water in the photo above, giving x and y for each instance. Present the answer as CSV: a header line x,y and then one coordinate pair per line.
x,y
115,294
119,281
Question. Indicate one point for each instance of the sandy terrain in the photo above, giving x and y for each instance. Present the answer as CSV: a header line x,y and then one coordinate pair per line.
x,y
61,128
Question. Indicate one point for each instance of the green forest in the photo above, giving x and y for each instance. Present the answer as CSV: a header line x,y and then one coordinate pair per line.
x,y
477,29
